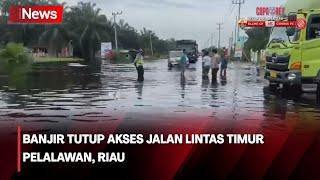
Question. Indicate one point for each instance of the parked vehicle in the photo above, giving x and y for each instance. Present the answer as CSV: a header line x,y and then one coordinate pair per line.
x,y
292,55
174,58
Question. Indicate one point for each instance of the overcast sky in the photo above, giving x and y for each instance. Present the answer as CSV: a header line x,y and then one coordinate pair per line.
x,y
182,19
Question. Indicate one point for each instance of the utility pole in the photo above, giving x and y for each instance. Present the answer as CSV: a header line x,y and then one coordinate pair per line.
x,y
231,45
115,14
211,45
219,29
235,36
239,3
151,44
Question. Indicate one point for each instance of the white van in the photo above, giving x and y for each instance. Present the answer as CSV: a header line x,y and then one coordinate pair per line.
x,y
174,58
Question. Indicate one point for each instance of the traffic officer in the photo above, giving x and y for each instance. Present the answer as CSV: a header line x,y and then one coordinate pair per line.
x,y
138,63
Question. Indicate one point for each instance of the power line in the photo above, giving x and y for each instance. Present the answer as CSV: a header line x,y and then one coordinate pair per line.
x,y
208,43
235,32
151,46
211,44
239,3
229,13
115,14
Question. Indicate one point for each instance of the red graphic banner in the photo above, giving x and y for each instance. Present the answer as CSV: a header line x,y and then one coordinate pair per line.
x,y
36,15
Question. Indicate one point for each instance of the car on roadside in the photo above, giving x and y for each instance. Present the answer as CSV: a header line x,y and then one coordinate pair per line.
x,y
191,48
174,58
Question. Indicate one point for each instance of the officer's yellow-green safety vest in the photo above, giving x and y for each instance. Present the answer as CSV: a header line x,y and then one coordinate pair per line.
x,y
139,61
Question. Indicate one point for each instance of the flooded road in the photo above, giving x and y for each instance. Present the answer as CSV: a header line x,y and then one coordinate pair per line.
x,y
60,95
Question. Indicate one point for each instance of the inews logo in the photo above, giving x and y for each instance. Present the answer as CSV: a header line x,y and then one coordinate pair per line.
x,y
36,14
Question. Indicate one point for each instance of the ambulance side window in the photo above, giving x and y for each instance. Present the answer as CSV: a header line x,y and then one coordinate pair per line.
x,y
313,28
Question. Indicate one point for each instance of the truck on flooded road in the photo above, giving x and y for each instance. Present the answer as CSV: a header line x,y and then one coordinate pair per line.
x,y
292,55
191,48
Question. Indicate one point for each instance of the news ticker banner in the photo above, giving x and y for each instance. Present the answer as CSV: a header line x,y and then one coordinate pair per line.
x,y
54,15
198,147
271,17
241,153
299,24
116,139
35,15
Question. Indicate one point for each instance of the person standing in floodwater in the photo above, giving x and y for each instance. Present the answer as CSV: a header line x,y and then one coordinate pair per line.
x,y
224,64
206,60
183,62
138,63
215,61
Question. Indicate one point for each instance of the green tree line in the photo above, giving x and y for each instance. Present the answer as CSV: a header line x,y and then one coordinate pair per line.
x,y
84,25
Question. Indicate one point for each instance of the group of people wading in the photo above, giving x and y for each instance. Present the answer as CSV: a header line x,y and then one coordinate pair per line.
x,y
213,62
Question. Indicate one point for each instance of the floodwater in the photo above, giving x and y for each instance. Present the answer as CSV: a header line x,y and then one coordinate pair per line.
x,y
56,95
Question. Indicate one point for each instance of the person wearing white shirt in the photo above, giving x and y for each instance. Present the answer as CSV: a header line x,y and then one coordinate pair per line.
x,y
206,60
215,61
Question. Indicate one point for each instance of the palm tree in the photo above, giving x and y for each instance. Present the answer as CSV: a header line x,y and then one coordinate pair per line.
x,y
87,22
127,35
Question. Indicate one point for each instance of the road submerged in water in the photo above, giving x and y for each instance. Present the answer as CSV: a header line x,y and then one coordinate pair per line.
x,y
54,97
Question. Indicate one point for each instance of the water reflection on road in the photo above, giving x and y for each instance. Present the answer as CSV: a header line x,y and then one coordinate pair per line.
x,y
61,94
